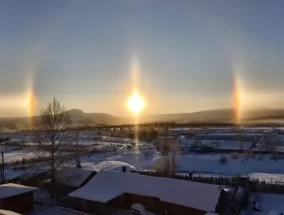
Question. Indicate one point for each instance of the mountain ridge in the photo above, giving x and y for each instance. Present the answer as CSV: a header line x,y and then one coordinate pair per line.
x,y
225,115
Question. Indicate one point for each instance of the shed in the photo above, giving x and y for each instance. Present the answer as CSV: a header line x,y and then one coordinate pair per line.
x,y
157,194
70,179
16,197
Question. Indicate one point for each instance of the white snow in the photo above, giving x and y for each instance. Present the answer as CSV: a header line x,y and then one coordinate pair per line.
x,y
209,163
10,189
73,177
115,166
143,157
269,203
12,154
269,178
108,185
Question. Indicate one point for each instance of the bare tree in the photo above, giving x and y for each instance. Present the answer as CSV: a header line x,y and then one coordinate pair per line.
x,y
50,134
270,143
241,138
169,149
78,162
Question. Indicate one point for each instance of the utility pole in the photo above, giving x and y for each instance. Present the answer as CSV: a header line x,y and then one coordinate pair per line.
x,y
78,163
2,167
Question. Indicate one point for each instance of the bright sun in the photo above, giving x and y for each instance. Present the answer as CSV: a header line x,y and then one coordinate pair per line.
x,y
135,103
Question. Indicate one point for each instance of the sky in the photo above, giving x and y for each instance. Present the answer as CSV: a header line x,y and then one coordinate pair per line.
x,y
181,55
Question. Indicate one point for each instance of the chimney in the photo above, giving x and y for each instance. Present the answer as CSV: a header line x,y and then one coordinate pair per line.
x,y
124,169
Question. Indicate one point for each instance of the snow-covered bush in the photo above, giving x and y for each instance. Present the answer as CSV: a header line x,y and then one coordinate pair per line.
x,y
275,156
270,143
223,159
248,155
235,156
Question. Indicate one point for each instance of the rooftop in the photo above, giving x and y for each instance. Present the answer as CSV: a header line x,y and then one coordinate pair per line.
x,y
73,177
108,185
10,189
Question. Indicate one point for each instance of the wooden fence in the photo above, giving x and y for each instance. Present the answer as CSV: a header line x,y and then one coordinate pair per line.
x,y
252,185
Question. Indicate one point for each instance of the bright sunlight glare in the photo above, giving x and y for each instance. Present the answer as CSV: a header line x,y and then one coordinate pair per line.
x,y
135,103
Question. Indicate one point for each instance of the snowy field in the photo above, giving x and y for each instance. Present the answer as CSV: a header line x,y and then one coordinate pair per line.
x,y
119,152
12,154
209,163
260,167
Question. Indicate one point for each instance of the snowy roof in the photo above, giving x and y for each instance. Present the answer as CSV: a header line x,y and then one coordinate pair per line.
x,y
10,189
73,177
5,212
110,166
108,185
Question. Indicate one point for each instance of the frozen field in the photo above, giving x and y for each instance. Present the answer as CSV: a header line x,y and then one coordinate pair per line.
x,y
12,154
210,163
118,152
260,167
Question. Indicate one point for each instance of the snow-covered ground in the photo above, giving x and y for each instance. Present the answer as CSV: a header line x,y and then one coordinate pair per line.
x,y
210,163
267,177
269,203
112,160
12,154
260,167
118,152
132,158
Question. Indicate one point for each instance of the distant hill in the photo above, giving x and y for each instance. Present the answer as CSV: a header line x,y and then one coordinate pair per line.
x,y
79,118
220,115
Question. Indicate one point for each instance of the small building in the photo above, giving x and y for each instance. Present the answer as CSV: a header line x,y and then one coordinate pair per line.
x,y
115,191
185,142
70,179
16,197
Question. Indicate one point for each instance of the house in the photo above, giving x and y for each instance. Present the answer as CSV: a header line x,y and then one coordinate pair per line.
x,y
16,197
72,178
185,142
114,190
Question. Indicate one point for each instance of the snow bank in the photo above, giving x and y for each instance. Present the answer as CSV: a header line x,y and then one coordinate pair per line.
x,y
115,166
270,178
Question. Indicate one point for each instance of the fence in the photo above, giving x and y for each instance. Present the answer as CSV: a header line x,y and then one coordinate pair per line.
x,y
252,185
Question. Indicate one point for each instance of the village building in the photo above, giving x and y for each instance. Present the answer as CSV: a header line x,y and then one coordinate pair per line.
x,y
112,191
17,198
70,179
